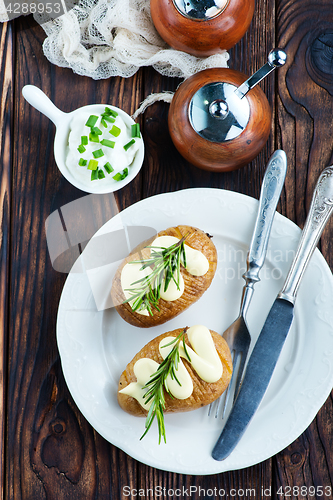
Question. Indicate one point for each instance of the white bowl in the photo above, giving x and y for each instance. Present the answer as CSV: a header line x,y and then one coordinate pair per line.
x,y
62,121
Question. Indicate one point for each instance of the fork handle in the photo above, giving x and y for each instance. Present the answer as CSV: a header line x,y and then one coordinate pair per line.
x,y
269,196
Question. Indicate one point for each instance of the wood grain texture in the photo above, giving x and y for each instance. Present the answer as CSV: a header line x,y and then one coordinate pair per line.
x,y
305,132
305,91
52,452
6,122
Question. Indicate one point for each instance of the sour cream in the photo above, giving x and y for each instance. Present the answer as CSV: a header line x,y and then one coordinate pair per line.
x,y
118,157
204,360
196,264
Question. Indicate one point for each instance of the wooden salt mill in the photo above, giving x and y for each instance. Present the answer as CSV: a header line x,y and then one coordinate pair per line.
x,y
202,27
218,120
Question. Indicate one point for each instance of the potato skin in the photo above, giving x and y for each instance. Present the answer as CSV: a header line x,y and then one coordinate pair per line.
x,y
195,286
203,393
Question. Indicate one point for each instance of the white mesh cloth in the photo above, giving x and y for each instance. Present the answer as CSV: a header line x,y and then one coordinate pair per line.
x,y
104,38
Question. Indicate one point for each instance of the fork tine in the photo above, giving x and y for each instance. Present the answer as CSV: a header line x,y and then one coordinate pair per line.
x,y
235,356
239,374
218,406
238,355
226,401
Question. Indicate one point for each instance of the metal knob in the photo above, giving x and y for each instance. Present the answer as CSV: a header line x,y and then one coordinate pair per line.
x,y
219,109
277,58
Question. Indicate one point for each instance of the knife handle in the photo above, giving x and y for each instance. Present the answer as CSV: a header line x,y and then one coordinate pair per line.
x,y
320,210
269,196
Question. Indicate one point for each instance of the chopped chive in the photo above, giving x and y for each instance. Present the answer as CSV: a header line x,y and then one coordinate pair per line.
x,y
103,122
106,142
93,138
84,140
111,112
94,175
96,131
101,174
135,128
115,130
91,120
121,175
129,144
108,118
117,177
81,148
97,153
92,165
83,162
108,167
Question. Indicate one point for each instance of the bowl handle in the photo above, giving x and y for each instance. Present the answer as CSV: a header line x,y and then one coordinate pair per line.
x,y
42,103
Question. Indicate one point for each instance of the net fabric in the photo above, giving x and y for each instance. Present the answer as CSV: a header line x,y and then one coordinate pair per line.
x,y
3,12
105,38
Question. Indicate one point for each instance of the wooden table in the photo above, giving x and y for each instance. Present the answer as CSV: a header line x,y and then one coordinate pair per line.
x,y
48,450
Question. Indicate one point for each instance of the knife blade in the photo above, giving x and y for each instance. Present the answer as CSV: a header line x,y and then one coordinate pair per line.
x,y
271,339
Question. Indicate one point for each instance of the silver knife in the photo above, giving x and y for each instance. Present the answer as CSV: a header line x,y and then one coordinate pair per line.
x,y
267,349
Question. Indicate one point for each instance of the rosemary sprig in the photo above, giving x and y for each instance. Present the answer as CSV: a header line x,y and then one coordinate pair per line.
x,y
165,264
157,384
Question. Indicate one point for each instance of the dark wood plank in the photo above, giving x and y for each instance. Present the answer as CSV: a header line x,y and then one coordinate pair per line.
x,y
305,90
305,128
52,452
6,122
303,469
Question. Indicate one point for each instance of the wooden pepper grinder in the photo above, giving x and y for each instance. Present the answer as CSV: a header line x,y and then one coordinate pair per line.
x,y
220,121
202,27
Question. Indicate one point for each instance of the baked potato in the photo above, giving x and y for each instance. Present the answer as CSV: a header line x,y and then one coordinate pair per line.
x,y
194,286
203,392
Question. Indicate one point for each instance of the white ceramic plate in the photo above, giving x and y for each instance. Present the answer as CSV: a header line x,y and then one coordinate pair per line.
x,y
95,345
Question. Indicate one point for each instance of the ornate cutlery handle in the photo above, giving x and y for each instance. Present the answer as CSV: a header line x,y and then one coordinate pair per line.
x,y
269,197
319,213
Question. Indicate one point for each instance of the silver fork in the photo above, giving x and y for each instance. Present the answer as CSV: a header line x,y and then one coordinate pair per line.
x,y
237,335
